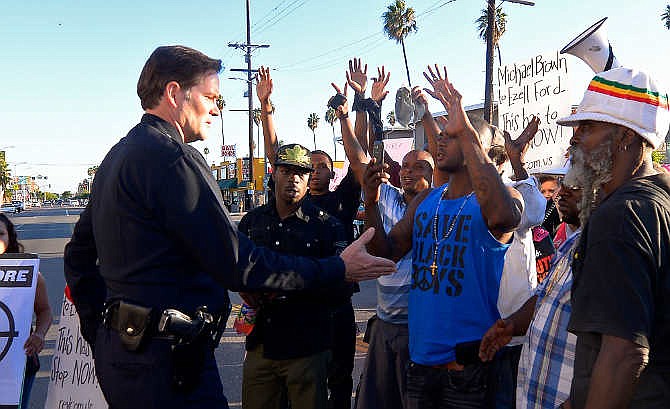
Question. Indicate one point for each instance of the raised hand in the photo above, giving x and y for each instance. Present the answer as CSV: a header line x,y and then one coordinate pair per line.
x,y
419,96
264,84
357,78
516,149
378,92
444,91
499,335
344,108
440,85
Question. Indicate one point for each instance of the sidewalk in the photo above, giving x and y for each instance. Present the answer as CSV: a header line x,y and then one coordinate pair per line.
x,y
229,355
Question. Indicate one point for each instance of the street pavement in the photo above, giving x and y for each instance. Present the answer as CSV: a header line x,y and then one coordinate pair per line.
x,y
45,231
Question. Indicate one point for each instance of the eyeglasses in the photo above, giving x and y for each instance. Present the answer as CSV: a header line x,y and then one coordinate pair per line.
x,y
567,190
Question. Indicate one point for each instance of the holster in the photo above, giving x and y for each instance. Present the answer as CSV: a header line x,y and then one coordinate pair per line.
x,y
132,322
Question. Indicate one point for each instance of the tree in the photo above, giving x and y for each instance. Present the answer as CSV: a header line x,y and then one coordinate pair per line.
x,y
331,117
66,195
665,17
221,103
390,117
399,22
500,21
206,152
256,115
5,178
312,123
491,27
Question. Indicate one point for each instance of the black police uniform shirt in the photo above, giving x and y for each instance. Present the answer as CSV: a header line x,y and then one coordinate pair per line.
x,y
342,202
621,286
156,233
295,324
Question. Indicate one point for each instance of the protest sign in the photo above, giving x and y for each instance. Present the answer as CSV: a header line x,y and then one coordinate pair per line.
x,y
537,86
398,148
18,281
72,382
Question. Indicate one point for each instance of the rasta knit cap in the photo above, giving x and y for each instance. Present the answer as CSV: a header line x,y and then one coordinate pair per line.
x,y
625,97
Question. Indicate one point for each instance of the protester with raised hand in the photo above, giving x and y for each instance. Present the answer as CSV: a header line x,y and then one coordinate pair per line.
x,y
458,235
383,381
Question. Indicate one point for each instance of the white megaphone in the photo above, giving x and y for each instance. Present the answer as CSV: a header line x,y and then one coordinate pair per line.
x,y
407,111
593,48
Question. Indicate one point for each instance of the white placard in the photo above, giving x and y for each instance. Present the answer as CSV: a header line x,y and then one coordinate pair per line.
x,y
18,280
72,382
537,86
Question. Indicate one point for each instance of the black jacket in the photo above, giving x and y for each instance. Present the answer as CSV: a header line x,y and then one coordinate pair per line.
x,y
156,233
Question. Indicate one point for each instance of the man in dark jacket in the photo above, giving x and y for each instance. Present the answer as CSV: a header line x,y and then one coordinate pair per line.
x,y
154,252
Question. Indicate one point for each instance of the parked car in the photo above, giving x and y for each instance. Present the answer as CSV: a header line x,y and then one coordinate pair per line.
x,y
18,205
73,202
47,203
58,202
8,208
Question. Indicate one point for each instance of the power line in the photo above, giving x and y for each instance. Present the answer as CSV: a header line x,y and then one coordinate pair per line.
x,y
260,20
280,16
291,67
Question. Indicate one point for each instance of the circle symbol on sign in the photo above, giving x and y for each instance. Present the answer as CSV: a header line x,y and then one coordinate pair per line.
x,y
10,333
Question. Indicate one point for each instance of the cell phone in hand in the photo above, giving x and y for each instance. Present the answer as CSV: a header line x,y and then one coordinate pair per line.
x,y
378,151
336,100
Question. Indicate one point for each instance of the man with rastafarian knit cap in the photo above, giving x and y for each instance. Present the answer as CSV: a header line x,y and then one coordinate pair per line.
x,y
621,287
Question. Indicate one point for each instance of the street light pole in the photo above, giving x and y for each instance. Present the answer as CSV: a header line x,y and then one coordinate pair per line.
x,y
490,22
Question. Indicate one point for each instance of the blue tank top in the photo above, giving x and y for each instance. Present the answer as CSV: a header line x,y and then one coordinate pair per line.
x,y
459,303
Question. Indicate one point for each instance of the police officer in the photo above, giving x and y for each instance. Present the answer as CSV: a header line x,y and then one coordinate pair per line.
x,y
154,252
287,351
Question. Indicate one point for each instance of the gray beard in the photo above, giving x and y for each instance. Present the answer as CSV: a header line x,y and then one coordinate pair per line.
x,y
590,174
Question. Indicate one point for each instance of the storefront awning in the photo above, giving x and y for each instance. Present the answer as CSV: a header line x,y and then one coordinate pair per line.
x,y
228,183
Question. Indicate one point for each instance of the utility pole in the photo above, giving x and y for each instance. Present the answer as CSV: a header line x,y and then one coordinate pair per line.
x,y
248,47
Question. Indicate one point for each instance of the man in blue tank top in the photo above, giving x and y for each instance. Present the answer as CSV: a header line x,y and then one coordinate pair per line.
x,y
457,234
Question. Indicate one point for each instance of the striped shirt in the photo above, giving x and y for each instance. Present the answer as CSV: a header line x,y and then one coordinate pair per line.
x,y
548,354
393,290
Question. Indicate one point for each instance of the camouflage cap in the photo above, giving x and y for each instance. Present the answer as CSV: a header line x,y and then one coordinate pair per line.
x,y
294,155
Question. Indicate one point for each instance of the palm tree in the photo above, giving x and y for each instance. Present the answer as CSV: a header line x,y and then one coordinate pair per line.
x,y
5,178
665,17
312,123
399,22
206,152
499,23
491,26
220,103
331,118
256,114
390,117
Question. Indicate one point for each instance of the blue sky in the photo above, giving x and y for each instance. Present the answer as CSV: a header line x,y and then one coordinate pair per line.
x,y
69,68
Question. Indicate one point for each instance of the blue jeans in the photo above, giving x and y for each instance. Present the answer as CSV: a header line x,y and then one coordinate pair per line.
x,y
441,388
502,378
384,379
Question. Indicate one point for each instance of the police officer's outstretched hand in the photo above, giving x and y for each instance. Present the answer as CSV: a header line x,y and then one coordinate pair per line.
x,y
360,265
